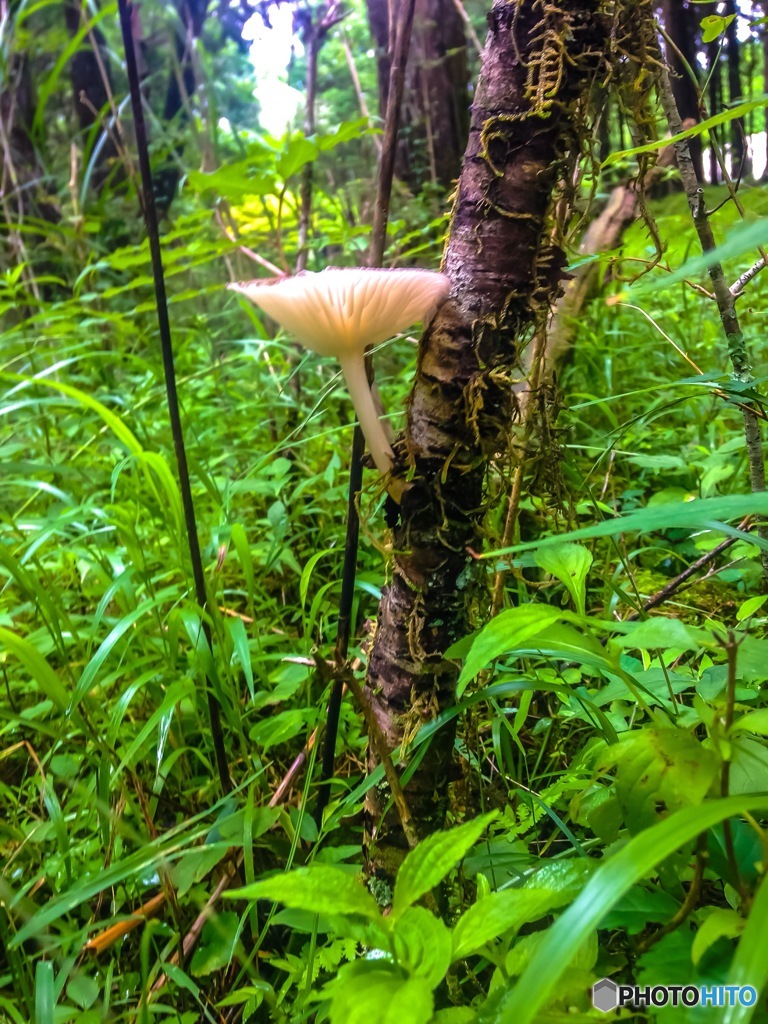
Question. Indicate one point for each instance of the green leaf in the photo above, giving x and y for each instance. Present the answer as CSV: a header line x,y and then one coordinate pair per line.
x,y
659,770
377,992
570,563
500,912
640,907
319,888
508,630
432,859
346,132
714,25
412,1003
217,944
658,632
37,667
82,990
750,606
422,945
750,964
720,923
636,860
689,515
711,122
298,152
45,995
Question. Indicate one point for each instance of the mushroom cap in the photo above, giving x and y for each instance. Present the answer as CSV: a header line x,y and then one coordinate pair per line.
x,y
340,311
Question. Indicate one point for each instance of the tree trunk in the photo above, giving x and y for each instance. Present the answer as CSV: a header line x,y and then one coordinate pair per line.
x,y
435,114
89,75
738,140
764,41
537,67
680,26
181,85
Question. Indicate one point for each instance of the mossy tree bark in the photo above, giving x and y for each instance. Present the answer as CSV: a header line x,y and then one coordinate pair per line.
x,y
538,67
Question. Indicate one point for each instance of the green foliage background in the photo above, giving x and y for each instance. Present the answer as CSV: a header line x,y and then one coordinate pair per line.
x,y
598,746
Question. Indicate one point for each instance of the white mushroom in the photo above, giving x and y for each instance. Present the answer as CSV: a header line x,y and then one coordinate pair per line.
x,y
339,313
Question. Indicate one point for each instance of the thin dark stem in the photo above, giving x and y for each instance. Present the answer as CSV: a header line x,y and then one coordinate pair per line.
x,y
689,903
150,218
344,624
391,126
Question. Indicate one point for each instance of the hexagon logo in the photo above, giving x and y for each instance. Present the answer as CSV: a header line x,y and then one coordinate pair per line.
x,y
605,995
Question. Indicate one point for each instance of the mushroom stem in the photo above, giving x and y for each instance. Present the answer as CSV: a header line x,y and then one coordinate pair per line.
x,y
353,368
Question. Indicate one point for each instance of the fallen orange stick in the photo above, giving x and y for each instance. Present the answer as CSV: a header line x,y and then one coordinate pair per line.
x,y
110,935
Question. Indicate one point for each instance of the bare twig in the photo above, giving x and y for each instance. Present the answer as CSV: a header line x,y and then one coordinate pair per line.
x,y
743,280
391,125
470,28
126,9
361,100
674,585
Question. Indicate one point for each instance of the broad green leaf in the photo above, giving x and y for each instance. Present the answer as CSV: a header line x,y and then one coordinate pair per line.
x,y
755,722
570,563
659,770
749,765
720,923
82,990
319,888
346,132
234,182
508,630
412,1003
454,1015
422,945
658,632
634,861
427,865
750,606
640,907
217,944
500,912
713,25
298,152
377,992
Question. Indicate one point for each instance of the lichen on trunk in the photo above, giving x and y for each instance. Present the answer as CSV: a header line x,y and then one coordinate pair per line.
x,y
537,69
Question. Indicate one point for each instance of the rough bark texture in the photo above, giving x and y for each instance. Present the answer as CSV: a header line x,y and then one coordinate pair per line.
x,y
435,115
538,61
